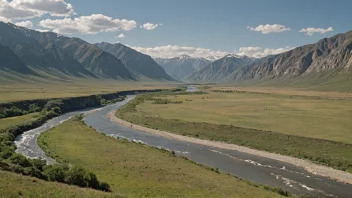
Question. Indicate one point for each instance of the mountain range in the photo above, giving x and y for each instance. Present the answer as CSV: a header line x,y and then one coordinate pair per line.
x,y
329,55
26,53
221,68
49,54
181,67
141,63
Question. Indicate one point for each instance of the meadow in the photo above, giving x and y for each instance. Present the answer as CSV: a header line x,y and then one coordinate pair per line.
x,y
18,120
15,185
311,127
137,170
316,115
10,92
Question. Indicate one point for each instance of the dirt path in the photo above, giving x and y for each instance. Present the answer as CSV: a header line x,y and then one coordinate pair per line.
x,y
338,175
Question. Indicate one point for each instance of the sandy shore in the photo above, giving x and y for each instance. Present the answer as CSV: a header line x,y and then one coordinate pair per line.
x,y
338,175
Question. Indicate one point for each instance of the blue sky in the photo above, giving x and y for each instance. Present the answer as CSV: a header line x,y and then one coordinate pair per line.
x,y
221,25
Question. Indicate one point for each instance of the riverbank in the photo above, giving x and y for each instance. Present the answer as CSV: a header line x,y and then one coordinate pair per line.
x,y
309,166
137,170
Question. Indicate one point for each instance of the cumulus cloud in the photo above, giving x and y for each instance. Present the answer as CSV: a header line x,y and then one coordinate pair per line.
x,y
26,24
26,9
121,36
150,26
310,31
268,28
88,24
169,51
258,52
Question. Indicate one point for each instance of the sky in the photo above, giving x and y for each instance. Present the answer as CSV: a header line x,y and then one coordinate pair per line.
x,y
199,28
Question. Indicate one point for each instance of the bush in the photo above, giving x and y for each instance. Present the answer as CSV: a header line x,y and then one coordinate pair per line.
x,y
104,187
39,164
20,160
77,176
56,173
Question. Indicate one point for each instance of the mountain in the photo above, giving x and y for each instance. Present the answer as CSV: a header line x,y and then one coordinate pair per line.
x,y
329,55
141,63
91,57
183,66
10,62
221,68
47,58
48,54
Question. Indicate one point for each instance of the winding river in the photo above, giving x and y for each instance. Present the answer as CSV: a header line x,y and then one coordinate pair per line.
x,y
246,166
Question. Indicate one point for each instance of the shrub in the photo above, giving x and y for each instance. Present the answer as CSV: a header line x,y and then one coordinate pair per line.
x,y
77,176
39,164
20,160
56,173
104,187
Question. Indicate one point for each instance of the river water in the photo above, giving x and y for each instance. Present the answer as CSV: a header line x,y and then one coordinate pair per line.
x,y
249,167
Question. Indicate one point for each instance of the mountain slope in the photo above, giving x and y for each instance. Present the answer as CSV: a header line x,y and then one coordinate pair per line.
x,y
48,58
10,62
327,55
183,66
90,56
220,69
136,61
51,54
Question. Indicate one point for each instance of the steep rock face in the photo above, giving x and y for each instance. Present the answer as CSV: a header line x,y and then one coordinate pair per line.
x,y
183,66
327,55
136,61
220,69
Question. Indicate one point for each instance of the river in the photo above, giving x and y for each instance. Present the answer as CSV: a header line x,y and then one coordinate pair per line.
x,y
246,166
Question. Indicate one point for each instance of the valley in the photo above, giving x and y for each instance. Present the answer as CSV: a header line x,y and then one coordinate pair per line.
x,y
107,106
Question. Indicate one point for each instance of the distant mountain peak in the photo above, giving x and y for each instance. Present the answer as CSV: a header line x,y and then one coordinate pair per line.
x,y
185,56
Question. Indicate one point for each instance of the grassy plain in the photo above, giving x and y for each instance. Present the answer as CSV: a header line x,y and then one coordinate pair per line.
x,y
136,170
10,92
18,120
15,185
316,116
295,125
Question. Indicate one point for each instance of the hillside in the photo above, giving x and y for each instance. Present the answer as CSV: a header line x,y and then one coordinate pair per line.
x,y
181,67
324,58
141,63
220,69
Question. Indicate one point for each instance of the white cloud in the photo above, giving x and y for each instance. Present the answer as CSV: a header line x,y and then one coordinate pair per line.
x,y
26,24
88,24
169,51
26,9
258,52
42,30
310,31
3,19
249,49
150,26
266,29
121,36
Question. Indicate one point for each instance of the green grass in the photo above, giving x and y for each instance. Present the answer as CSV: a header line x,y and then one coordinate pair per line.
x,y
210,117
14,185
299,115
10,92
18,120
136,170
